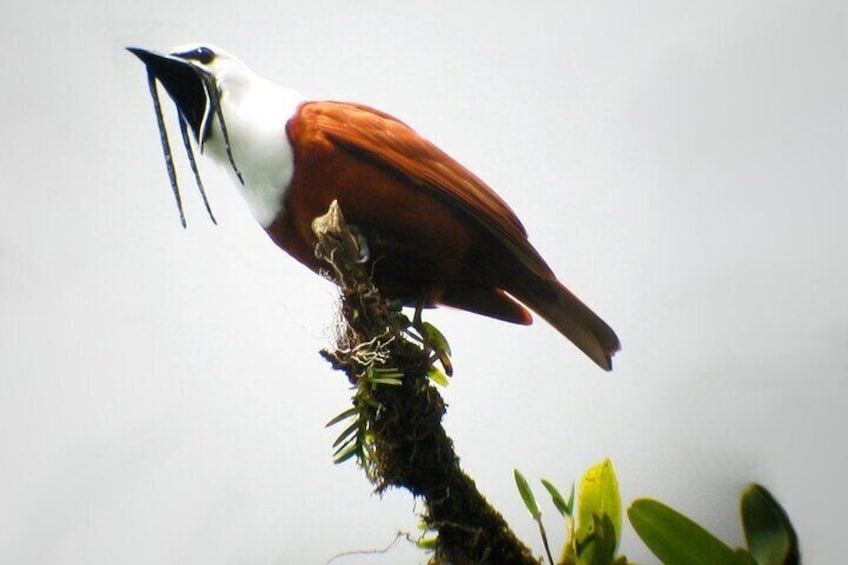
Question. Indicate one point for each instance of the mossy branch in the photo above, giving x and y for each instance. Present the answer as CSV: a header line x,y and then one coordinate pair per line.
x,y
398,437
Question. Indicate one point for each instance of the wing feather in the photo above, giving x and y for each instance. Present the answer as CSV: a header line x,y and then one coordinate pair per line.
x,y
394,146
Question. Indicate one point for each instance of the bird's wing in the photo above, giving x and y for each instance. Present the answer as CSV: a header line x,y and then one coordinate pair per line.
x,y
394,146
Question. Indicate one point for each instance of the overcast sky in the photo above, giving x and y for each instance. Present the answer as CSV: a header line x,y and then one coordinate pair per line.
x,y
681,165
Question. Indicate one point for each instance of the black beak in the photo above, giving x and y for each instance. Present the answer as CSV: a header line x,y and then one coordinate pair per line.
x,y
186,84
196,96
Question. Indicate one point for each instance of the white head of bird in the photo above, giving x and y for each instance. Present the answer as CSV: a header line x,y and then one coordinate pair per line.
x,y
237,117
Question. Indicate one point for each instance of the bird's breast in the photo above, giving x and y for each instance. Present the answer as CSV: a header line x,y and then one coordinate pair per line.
x,y
256,120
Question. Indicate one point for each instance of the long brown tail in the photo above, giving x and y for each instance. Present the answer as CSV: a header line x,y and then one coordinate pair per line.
x,y
574,320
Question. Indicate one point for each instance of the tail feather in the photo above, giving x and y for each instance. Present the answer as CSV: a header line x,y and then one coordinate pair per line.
x,y
492,302
574,320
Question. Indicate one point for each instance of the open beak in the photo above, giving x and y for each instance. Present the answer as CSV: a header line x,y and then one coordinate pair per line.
x,y
196,96
186,84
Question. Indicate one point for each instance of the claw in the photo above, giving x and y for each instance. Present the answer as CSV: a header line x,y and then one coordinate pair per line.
x,y
364,252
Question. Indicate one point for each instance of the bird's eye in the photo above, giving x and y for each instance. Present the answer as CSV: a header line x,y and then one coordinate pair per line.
x,y
203,55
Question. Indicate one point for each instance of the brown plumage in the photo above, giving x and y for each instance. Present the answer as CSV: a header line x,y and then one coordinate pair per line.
x,y
435,231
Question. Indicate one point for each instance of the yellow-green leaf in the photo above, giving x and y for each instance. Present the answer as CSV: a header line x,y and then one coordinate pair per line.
x,y
428,544
598,496
438,377
435,339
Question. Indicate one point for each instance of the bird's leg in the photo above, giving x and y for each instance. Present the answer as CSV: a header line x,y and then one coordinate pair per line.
x,y
432,340
417,323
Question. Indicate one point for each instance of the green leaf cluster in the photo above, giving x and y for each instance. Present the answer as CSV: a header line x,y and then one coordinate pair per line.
x,y
354,440
674,538
593,531
433,341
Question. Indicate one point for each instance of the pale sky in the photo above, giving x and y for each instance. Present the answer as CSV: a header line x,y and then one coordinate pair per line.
x,y
682,166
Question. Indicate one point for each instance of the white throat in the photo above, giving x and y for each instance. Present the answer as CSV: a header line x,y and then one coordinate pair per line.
x,y
256,113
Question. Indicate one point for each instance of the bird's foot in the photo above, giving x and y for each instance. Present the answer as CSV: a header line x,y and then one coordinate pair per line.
x,y
433,342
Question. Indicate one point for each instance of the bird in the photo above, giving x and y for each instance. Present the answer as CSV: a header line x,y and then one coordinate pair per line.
x,y
437,235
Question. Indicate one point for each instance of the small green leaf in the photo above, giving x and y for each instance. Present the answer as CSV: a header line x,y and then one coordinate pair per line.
x,y
570,502
557,498
392,381
428,544
437,376
383,376
674,538
527,495
374,372
343,416
599,496
346,433
435,339
768,531
351,450
342,445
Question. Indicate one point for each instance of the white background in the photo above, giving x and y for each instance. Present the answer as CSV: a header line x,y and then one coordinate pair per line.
x,y
681,166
